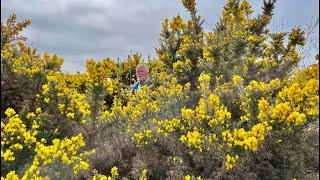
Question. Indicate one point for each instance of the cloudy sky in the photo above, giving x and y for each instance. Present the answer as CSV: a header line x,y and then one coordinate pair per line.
x,y
78,30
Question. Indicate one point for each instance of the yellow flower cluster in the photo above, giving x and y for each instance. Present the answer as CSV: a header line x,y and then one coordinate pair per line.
x,y
177,24
252,38
72,81
257,86
114,174
169,125
165,30
140,139
237,80
30,64
252,93
210,37
281,111
8,155
204,80
178,66
235,17
188,177
66,151
246,7
304,99
11,176
187,114
292,104
143,175
170,89
296,37
70,102
295,118
264,108
227,137
114,171
231,161
15,135
99,71
77,103
193,139
246,139
212,111
303,76
10,29
258,131
189,4
186,44
201,111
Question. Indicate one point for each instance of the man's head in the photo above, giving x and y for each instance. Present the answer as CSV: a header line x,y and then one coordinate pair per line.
x,y
142,73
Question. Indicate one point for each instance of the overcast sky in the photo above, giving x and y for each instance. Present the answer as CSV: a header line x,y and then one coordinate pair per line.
x,y
78,30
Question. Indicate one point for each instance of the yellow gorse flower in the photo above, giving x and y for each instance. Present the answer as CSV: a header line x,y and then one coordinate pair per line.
x,y
231,161
114,171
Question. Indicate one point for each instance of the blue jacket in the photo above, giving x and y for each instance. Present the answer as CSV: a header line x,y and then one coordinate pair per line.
x,y
136,85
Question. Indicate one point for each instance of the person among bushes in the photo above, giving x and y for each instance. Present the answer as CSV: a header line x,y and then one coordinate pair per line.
x,y
142,73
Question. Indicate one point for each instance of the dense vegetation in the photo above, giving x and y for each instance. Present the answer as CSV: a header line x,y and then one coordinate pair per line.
x,y
226,104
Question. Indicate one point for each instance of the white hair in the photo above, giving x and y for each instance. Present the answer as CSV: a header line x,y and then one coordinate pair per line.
x,y
145,66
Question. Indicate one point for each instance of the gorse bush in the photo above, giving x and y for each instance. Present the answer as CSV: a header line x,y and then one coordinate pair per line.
x,y
225,104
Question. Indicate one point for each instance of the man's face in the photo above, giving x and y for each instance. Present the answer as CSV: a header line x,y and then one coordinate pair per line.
x,y
141,74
